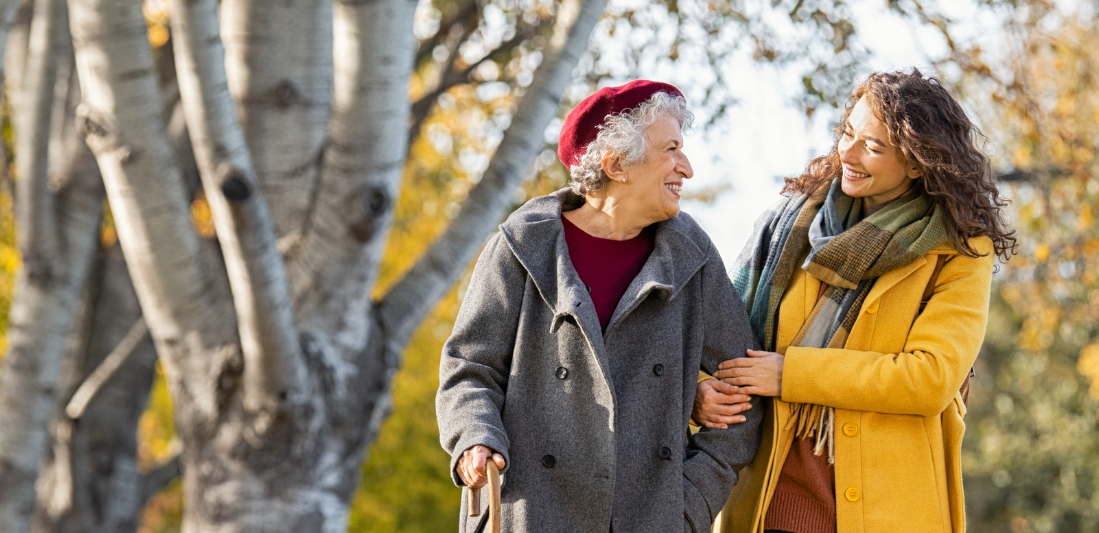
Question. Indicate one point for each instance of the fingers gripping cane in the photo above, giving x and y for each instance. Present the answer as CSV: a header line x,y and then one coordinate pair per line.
x,y
493,498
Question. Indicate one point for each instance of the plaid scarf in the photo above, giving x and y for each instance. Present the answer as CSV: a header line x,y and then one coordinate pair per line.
x,y
844,252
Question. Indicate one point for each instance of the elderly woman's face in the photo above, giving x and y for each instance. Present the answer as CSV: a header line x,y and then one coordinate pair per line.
x,y
655,182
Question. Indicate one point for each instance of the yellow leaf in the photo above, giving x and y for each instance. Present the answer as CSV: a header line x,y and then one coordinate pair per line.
x,y
1084,219
158,36
1041,252
1088,366
201,217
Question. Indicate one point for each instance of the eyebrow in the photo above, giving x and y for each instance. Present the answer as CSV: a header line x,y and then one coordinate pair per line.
x,y
875,140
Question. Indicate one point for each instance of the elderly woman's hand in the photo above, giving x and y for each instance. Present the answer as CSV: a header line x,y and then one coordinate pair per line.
x,y
471,467
760,373
718,404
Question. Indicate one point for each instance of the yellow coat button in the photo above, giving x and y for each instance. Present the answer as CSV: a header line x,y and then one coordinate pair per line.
x,y
872,308
852,494
850,429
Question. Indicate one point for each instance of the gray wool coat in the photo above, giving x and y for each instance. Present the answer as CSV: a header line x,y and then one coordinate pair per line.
x,y
593,425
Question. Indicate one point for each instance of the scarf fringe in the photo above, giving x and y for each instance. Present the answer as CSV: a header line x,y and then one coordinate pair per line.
x,y
816,422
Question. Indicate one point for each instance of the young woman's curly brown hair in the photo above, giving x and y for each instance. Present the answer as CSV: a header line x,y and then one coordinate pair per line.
x,y
932,131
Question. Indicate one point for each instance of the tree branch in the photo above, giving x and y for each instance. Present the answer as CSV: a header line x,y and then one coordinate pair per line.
x,y
451,77
418,291
181,143
16,44
467,14
1020,175
59,485
107,368
42,314
273,369
7,21
278,60
334,268
37,235
14,27
184,311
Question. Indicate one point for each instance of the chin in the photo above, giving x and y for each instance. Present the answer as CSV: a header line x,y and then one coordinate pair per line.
x,y
850,189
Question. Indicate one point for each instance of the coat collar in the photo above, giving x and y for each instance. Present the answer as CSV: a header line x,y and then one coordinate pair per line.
x,y
889,279
536,236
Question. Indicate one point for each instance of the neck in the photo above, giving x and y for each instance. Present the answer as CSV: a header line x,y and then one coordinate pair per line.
x,y
607,218
869,207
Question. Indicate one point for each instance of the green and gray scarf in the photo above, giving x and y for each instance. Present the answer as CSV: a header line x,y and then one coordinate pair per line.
x,y
845,252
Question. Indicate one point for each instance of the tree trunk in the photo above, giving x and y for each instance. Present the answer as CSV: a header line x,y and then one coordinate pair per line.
x,y
90,481
290,461
58,228
278,58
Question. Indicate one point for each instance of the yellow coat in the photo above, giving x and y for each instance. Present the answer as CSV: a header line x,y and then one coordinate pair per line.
x,y
894,386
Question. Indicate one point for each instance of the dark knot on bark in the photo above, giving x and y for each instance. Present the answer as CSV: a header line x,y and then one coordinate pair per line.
x,y
284,94
236,189
373,203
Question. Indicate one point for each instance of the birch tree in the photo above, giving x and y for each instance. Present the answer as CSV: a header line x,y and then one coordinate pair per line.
x,y
291,121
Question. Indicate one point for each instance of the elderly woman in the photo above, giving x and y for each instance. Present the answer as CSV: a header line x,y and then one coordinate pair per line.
x,y
868,285
575,354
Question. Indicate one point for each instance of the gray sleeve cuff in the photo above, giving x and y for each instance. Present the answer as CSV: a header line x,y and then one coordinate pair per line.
x,y
697,516
491,437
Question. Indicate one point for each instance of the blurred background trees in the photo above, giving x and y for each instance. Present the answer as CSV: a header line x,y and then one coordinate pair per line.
x,y
1031,452
1032,443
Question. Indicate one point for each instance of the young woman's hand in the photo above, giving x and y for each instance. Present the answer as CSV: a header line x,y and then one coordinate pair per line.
x,y
718,404
760,373
471,467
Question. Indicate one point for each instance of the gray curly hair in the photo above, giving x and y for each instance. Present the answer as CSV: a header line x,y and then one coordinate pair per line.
x,y
624,134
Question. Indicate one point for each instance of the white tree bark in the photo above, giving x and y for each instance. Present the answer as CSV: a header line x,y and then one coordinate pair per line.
x,y
278,58
295,471
91,481
7,20
335,268
121,115
37,237
273,369
49,286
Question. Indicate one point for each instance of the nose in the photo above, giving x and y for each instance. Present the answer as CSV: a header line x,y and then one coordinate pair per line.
x,y
683,166
847,153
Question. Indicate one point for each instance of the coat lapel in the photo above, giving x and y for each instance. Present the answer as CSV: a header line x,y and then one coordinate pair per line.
x,y
890,279
536,237
674,261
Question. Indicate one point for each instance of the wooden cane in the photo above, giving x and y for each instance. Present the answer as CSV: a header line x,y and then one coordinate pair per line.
x,y
493,498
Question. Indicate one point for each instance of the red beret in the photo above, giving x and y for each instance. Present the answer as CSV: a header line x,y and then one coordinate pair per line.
x,y
581,126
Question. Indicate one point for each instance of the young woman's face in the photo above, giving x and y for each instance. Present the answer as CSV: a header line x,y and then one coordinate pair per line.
x,y
873,168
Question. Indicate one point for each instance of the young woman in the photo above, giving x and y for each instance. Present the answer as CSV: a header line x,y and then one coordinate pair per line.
x,y
864,430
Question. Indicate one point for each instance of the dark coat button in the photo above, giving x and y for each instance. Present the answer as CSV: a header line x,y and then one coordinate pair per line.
x,y
548,461
562,372
658,370
664,453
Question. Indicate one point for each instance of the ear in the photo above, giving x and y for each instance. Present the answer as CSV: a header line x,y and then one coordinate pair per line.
x,y
914,172
612,166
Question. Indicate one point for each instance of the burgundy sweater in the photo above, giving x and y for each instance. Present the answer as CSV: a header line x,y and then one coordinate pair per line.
x,y
607,266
